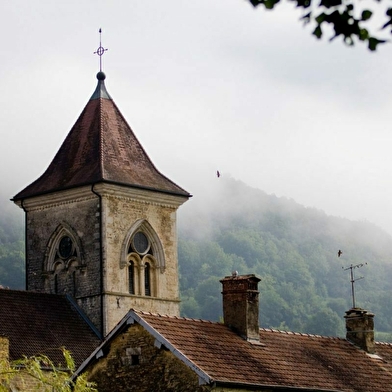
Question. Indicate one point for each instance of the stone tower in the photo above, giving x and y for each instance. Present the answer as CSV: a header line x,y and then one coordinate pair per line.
x,y
101,221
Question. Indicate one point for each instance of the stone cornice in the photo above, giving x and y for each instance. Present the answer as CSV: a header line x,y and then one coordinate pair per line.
x,y
85,193
50,200
142,297
140,195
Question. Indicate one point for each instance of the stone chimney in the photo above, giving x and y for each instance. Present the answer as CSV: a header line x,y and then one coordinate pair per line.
x,y
360,328
241,305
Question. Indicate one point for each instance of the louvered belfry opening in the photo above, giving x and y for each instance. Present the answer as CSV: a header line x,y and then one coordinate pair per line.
x,y
241,305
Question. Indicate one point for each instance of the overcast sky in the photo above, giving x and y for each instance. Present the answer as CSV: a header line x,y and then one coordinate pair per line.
x,y
205,85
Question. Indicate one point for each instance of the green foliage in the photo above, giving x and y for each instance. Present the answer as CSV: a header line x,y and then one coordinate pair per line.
x,y
346,18
12,265
40,373
292,249
12,257
324,322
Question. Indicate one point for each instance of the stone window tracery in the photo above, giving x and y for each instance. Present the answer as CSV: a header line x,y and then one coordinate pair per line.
x,y
144,258
131,278
147,280
62,263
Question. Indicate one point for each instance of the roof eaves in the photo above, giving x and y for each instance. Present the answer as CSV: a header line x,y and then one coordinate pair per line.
x,y
59,189
17,197
175,193
130,318
204,378
97,353
266,387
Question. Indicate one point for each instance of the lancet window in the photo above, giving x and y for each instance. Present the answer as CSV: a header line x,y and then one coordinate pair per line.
x,y
63,262
144,258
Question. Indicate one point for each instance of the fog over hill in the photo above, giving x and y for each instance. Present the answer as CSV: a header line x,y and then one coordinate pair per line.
x,y
304,286
215,205
228,226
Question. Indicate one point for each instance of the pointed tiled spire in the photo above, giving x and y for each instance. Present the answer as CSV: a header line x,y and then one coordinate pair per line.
x,y
101,147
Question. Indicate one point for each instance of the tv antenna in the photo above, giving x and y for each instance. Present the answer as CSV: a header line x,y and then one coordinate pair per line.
x,y
353,279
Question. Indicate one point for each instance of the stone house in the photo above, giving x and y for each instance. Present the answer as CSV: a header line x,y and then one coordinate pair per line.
x,y
102,280
170,353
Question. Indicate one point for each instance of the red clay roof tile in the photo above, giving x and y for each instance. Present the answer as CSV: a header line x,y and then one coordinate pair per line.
x,y
284,359
37,323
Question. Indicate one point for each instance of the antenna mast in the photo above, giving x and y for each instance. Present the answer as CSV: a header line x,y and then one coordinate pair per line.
x,y
353,280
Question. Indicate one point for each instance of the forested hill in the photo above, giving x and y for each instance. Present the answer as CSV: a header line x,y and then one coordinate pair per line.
x,y
229,226
11,245
304,287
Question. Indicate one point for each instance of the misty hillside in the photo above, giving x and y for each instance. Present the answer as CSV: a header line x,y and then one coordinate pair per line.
x,y
304,287
230,226
11,245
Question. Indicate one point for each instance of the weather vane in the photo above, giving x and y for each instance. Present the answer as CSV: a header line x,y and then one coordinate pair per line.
x,y
353,279
100,51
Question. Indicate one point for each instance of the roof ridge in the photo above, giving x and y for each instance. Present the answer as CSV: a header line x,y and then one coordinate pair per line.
x,y
142,312
101,158
119,112
310,335
384,343
261,329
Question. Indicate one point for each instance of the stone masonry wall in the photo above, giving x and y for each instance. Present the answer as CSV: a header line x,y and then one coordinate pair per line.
x,y
120,215
21,381
102,291
133,363
82,216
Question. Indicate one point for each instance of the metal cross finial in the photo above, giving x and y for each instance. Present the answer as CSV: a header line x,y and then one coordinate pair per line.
x,y
353,280
100,51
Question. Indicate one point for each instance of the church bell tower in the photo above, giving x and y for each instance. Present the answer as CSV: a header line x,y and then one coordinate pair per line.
x,y
101,221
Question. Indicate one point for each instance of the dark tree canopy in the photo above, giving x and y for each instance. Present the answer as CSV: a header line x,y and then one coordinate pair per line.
x,y
351,19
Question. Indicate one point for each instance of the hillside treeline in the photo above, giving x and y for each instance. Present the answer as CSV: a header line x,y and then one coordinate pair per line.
x,y
11,246
293,250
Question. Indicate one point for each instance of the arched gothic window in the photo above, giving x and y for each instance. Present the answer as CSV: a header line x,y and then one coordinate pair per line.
x,y
147,280
131,278
63,261
144,258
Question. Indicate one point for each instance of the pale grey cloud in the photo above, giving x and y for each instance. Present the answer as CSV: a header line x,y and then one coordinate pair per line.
x,y
205,85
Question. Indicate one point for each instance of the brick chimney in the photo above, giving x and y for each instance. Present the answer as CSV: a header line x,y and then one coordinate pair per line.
x,y
360,328
241,305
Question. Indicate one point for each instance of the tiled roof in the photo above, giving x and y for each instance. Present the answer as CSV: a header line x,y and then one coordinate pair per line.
x,y
101,147
37,323
282,359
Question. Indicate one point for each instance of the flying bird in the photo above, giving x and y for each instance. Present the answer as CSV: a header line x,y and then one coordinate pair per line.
x,y
339,253
217,173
